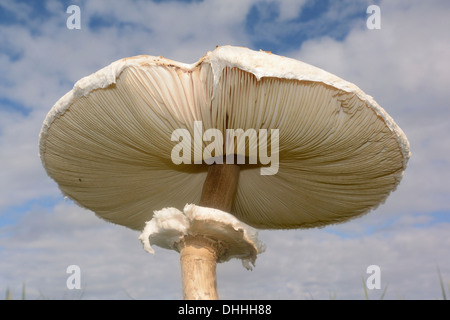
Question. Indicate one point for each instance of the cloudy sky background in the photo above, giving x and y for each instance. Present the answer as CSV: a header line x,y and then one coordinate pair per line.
x,y
404,66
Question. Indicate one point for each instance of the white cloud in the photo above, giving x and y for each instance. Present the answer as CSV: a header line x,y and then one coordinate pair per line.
x,y
20,10
404,62
297,264
22,177
111,258
178,30
289,9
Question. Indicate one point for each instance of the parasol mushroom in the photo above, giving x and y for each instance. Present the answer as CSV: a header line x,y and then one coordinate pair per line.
x,y
147,135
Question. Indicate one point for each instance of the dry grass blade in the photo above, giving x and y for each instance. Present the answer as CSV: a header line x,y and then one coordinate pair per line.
x,y
23,291
366,295
441,281
384,293
8,294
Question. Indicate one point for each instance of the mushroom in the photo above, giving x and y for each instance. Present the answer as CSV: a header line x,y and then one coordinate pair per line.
x,y
147,135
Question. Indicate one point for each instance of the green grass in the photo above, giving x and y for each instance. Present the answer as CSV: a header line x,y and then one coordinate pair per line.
x,y
76,295
9,294
366,294
441,282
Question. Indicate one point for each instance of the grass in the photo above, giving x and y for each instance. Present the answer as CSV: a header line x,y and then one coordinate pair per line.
x,y
366,294
75,296
441,282
9,296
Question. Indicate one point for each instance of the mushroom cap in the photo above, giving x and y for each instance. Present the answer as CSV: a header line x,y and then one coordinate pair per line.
x,y
108,142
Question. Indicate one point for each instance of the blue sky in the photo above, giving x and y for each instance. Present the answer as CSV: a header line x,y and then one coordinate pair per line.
x,y
404,66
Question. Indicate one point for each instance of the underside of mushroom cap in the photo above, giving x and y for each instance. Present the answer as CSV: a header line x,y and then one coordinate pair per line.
x,y
107,143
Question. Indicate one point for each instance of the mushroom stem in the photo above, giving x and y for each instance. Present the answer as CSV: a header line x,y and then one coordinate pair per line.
x,y
198,255
198,269
220,186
